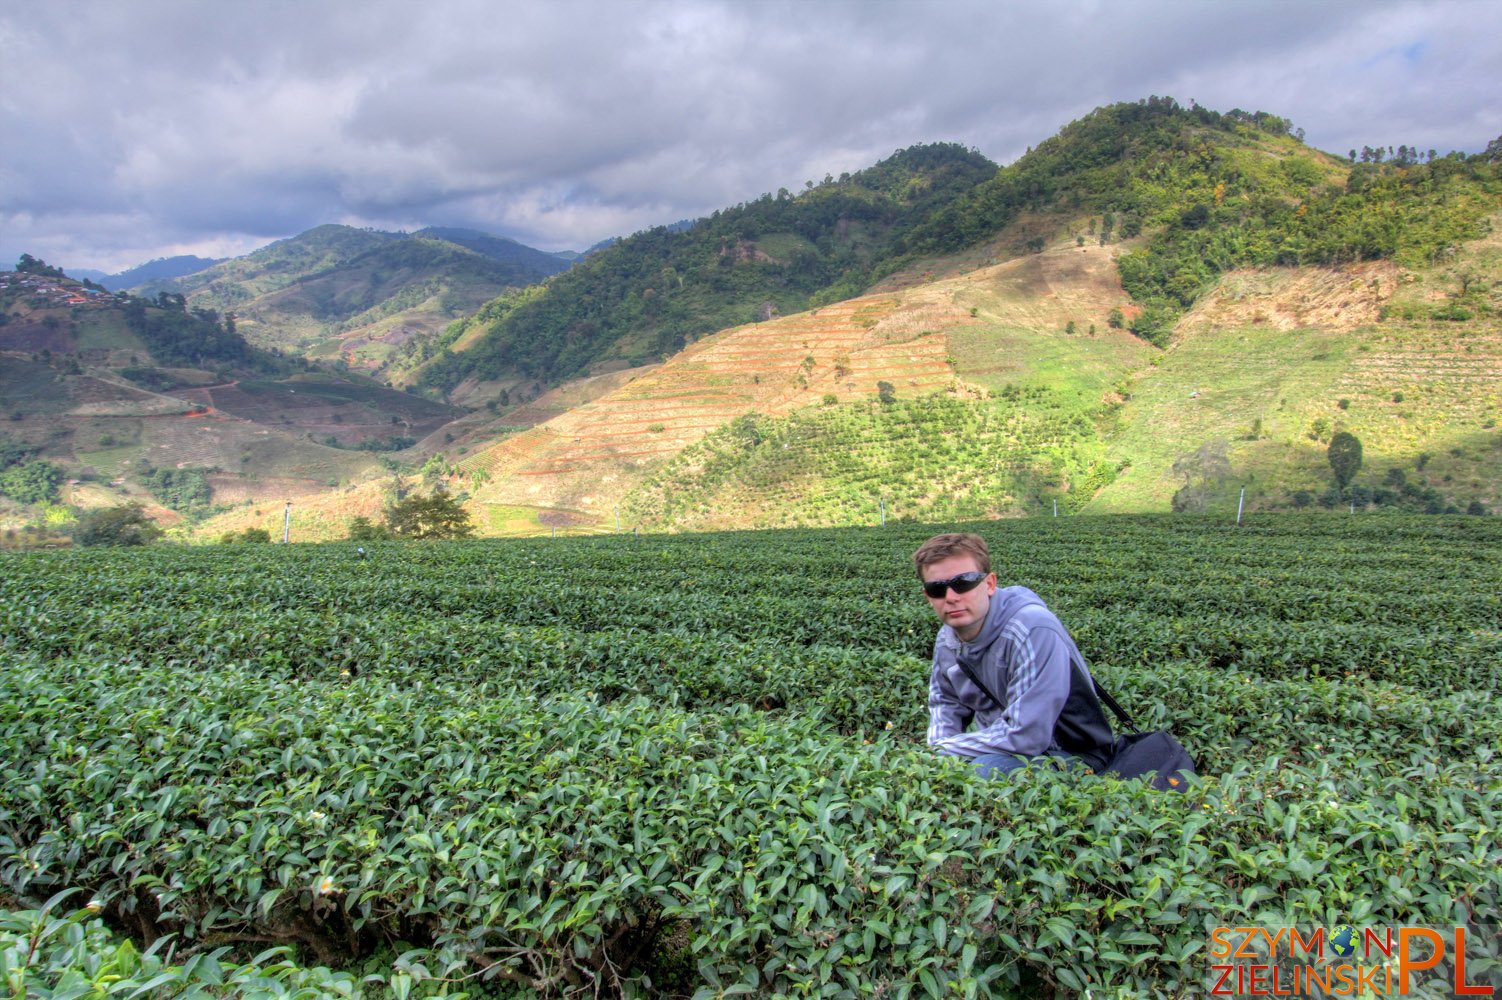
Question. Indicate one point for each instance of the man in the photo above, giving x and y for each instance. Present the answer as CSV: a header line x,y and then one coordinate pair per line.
x,y
1012,645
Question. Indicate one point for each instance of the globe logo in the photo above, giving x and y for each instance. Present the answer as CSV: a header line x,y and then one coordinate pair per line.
x,y
1343,941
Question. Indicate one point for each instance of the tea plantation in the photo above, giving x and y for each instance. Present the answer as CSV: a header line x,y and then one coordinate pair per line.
x,y
694,766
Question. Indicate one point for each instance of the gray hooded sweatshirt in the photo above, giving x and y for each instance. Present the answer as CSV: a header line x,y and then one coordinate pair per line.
x,y
1027,658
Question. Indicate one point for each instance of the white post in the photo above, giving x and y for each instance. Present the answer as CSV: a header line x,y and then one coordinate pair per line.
x,y
1056,507
287,524
883,502
1239,504
617,519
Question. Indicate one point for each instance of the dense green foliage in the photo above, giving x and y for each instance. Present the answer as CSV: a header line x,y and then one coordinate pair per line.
x,y
35,481
1344,454
647,296
123,525
33,265
201,338
433,515
933,457
1218,191
694,764
1416,214
183,490
52,955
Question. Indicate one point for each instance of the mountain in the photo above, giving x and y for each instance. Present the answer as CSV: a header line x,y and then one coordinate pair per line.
x,y
120,398
360,295
160,269
500,249
1213,191
1157,308
647,296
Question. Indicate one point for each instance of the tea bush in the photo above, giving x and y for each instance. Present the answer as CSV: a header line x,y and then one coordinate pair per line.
x,y
693,765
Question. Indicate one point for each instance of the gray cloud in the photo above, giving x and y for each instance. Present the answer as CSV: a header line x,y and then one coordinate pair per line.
x,y
129,131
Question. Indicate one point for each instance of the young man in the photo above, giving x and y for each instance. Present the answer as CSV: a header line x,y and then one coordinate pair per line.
x,y
1018,649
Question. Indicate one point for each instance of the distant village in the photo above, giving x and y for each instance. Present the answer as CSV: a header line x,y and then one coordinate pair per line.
x,y
53,291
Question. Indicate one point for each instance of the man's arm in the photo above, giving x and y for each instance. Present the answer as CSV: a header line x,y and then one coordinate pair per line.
x,y
1037,688
946,716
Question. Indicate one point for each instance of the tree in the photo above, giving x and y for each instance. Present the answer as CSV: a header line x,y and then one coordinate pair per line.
x,y
125,525
32,482
34,265
886,392
362,529
1204,471
1344,454
437,515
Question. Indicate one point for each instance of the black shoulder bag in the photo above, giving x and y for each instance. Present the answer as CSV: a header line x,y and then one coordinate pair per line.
x,y
1135,754
1138,754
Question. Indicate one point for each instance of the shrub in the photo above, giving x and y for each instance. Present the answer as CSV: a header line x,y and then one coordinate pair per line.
x,y
434,516
123,525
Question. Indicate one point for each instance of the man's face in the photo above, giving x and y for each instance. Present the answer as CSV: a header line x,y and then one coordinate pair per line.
x,y
965,613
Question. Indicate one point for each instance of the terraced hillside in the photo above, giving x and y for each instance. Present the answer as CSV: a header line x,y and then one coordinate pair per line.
x,y
1010,390
586,457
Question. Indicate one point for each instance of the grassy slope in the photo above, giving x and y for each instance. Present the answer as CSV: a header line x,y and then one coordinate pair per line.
x,y
1284,348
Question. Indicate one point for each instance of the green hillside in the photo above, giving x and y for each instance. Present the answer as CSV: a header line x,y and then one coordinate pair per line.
x,y
1249,395
1218,191
1205,192
936,458
357,294
647,296
1216,209
1157,308
277,265
112,398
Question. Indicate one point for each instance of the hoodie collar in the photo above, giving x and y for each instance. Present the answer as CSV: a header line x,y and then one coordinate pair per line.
x,y
1005,603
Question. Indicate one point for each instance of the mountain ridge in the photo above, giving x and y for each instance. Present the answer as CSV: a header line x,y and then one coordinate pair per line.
x,y
1117,332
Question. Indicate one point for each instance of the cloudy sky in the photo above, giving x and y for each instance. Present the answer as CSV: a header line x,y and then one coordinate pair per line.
x,y
137,129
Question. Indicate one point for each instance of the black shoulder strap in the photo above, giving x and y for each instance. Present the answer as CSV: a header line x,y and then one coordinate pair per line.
x,y
1100,692
1112,704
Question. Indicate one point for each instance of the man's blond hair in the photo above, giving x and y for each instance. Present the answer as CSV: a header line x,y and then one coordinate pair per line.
x,y
941,547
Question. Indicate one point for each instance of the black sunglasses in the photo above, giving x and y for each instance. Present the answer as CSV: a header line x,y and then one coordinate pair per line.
x,y
962,584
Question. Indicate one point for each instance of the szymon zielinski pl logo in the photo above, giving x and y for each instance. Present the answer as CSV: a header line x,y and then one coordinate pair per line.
x,y
1343,961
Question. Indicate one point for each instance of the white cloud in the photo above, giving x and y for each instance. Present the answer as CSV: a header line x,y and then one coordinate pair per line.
x,y
137,130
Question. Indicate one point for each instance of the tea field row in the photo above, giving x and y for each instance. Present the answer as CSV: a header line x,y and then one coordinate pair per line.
x,y
694,765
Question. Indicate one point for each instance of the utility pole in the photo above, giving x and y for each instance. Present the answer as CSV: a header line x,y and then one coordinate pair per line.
x,y
287,523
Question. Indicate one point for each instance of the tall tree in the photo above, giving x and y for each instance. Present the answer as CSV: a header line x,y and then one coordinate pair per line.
x,y
437,515
1345,458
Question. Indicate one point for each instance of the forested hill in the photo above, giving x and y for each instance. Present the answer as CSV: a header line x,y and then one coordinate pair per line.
x,y
361,293
1200,191
646,296
1218,191
527,259
35,297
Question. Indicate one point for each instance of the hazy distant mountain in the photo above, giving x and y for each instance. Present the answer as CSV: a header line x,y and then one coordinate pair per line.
x,y
362,294
161,269
499,248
